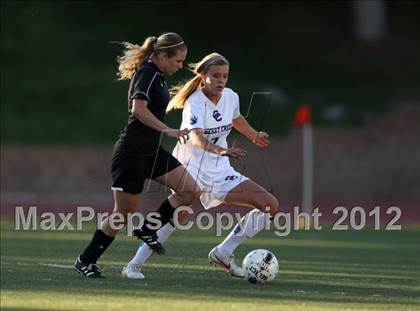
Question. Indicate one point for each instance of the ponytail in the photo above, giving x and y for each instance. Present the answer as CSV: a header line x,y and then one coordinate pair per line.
x,y
182,92
133,56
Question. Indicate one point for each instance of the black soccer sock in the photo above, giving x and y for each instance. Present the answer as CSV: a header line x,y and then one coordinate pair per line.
x,y
96,247
166,212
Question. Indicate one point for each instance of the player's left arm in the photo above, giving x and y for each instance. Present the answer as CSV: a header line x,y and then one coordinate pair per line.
x,y
261,139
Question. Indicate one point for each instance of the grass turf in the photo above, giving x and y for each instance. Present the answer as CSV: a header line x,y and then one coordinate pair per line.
x,y
319,270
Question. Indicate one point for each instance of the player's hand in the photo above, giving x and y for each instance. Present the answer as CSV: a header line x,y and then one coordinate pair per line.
x,y
262,140
182,135
236,153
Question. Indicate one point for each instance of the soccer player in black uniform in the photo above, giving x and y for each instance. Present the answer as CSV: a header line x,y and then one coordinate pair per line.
x,y
137,154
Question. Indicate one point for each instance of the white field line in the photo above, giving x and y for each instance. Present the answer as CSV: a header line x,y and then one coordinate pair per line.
x,y
56,266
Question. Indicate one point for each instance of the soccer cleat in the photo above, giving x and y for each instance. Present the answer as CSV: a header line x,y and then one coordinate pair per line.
x,y
150,239
225,261
132,271
89,270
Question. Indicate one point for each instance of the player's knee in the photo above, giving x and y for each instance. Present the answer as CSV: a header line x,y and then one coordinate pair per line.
x,y
124,210
267,203
272,204
131,209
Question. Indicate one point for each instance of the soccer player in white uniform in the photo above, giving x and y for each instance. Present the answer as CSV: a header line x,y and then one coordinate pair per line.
x,y
210,111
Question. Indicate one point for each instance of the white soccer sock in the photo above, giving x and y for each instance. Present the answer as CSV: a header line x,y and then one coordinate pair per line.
x,y
252,223
144,251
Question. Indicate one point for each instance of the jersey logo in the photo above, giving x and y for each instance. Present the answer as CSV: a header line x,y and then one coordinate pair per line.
x,y
231,177
193,120
217,116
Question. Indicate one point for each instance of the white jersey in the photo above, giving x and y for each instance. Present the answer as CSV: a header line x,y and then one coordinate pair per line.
x,y
216,121
213,173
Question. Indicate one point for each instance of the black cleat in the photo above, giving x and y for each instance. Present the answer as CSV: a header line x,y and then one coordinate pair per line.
x,y
89,270
150,239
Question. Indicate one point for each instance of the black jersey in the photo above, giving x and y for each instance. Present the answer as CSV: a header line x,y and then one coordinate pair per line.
x,y
147,83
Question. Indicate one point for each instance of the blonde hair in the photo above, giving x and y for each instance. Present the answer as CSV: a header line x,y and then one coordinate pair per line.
x,y
134,54
181,92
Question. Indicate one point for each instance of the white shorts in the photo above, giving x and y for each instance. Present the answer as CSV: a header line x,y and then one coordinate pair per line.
x,y
215,188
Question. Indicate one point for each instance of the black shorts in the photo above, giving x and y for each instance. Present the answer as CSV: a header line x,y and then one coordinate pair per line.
x,y
129,172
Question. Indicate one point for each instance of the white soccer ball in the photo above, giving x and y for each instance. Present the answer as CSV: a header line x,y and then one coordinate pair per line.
x,y
260,266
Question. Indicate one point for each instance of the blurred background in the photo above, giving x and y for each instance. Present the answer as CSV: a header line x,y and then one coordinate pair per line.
x,y
355,63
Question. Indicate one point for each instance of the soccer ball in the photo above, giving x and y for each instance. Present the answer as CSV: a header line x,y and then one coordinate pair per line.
x,y
260,266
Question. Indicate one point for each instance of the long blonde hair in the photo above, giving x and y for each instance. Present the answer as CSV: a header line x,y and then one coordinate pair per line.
x,y
134,54
183,91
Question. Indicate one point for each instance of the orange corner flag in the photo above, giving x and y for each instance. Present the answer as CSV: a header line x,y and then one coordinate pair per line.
x,y
303,115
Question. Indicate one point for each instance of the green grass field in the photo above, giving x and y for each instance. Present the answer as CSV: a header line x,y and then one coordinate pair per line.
x,y
323,270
